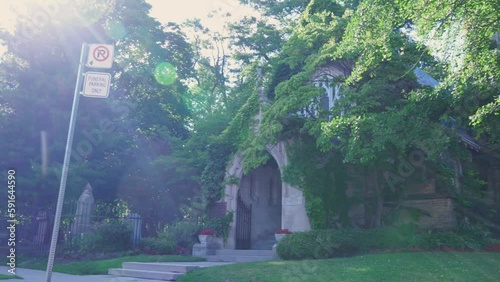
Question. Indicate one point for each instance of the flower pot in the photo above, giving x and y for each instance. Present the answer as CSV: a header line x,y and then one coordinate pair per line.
x,y
204,239
279,236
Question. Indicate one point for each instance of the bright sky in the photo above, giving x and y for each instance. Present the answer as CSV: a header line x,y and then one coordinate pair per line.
x,y
163,10
179,10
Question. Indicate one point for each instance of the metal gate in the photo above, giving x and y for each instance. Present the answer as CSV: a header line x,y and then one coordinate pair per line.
x,y
243,224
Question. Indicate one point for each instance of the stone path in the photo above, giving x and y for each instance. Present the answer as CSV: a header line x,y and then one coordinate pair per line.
x,y
30,275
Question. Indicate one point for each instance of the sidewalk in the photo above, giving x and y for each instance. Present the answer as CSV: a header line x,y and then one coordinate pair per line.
x,y
30,275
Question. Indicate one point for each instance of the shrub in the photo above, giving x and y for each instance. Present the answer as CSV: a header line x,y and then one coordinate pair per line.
x,y
163,245
317,244
475,236
454,240
328,243
108,237
183,233
297,246
384,238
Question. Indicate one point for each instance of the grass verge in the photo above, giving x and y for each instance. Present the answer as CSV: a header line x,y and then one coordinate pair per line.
x,y
433,266
102,266
5,277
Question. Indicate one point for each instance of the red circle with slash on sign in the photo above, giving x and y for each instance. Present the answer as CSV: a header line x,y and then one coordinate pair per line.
x,y
101,53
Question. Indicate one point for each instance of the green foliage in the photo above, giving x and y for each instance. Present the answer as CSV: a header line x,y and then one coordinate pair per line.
x,y
212,178
219,224
178,237
329,243
222,147
107,238
278,10
323,179
116,139
183,233
163,245
304,245
459,240
384,113
8,277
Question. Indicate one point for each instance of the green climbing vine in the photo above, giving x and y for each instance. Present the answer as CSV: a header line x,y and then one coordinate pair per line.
x,y
323,179
223,147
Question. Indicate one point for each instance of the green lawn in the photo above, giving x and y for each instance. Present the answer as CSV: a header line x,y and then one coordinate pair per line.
x,y
102,266
5,277
436,266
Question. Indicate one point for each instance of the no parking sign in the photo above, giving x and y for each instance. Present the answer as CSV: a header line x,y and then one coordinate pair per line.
x,y
100,56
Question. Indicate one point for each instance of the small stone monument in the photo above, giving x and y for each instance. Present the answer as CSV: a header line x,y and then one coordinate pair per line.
x,y
84,209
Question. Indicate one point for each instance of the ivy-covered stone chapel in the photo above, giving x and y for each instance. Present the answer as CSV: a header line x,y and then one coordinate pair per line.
x,y
262,201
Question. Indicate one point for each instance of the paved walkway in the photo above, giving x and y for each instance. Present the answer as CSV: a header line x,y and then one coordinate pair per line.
x,y
30,275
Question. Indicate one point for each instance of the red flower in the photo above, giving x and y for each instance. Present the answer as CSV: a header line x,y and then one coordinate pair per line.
x,y
207,232
283,231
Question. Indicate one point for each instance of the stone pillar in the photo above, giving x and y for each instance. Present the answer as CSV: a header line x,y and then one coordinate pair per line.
x,y
84,209
293,214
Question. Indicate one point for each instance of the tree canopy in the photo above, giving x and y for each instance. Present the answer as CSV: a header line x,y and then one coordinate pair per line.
x,y
183,100
384,115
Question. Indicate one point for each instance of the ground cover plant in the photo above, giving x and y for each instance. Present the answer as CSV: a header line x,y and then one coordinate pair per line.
x,y
423,266
8,277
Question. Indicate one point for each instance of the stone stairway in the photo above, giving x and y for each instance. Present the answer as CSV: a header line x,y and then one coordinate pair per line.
x,y
158,271
172,271
265,244
241,255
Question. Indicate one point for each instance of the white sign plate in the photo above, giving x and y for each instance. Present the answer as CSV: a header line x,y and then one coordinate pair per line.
x,y
96,84
100,56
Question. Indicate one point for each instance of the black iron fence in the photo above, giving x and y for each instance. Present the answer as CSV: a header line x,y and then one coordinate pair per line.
x,y
34,227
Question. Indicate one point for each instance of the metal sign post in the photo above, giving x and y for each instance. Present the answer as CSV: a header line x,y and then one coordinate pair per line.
x,y
67,155
97,86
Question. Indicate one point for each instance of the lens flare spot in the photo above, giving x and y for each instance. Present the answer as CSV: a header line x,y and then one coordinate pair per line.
x,y
165,73
116,30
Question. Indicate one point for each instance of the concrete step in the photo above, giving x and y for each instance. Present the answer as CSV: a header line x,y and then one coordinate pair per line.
x,y
238,258
165,267
264,244
245,252
147,274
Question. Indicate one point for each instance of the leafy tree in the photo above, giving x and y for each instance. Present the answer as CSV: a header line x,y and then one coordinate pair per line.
x,y
384,115
122,144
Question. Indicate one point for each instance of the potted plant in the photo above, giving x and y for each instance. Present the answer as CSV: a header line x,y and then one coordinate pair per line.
x,y
280,233
205,235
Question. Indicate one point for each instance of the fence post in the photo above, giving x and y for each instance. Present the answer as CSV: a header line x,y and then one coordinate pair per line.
x,y
136,221
42,227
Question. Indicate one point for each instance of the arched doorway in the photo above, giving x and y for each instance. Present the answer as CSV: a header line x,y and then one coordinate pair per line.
x,y
290,205
259,207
